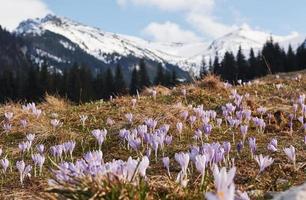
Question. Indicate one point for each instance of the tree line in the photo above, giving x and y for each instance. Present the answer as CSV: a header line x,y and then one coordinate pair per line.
x,y
22,80
270,60
78,83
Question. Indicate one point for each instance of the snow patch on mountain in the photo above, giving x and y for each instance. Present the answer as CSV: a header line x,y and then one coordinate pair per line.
x,y
67,45
187,56
43,53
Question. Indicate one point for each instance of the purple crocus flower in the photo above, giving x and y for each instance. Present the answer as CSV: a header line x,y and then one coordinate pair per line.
x,y
184,115
263,162
38,160
207,129
134,143
244,130
143,165
291,154
230,108
301,119
110,121
252,145
133,101
200,163
184,92
179,127
69,147
24,146
242,196
219,122
205,120
155,144
130,169
194,151
192,119
94,158
148,152
168,139
55,123
23,123
198,134
83,119
129,117
183,160
151,123
166,163
272,146
223,183
7,127
30,137
154,93
5,164
57,151
37,112
227,147
100,136
8,116
23,170
165,128
213,114
239,146
261,110
40,148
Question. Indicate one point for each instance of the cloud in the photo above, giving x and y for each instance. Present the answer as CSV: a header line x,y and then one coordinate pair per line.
x,y
208,25
169,32
173,5
12,12
198,13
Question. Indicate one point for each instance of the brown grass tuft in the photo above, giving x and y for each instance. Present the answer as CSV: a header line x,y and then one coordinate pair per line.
x,y
161,90
211,82
56,103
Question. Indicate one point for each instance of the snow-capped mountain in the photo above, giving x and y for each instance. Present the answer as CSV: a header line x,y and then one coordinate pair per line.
x,y
247,38
100,44
62,42
105,48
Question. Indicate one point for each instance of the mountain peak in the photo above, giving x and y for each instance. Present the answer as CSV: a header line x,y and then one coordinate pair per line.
x,y
187,56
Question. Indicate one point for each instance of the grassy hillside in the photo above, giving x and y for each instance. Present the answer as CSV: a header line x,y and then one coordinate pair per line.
x,y
276,94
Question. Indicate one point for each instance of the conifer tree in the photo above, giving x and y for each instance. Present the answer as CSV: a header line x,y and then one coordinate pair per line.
x,y
203,70
44,79
160,76
229,70
86,84
242,66
99,86
173,78
144,80
301,57
134,85
253,66
74,84
119,84
216,65
109,83
32,89
291,63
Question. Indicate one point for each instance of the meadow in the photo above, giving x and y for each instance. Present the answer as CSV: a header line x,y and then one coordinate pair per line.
x,y
203,140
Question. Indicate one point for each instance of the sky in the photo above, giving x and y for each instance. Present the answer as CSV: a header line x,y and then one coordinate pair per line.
x,y
166,20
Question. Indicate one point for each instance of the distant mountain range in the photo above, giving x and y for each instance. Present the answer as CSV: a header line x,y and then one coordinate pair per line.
x,y
62,42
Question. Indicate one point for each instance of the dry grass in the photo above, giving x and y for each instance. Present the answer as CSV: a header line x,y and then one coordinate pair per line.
x,y
166,109
211,82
